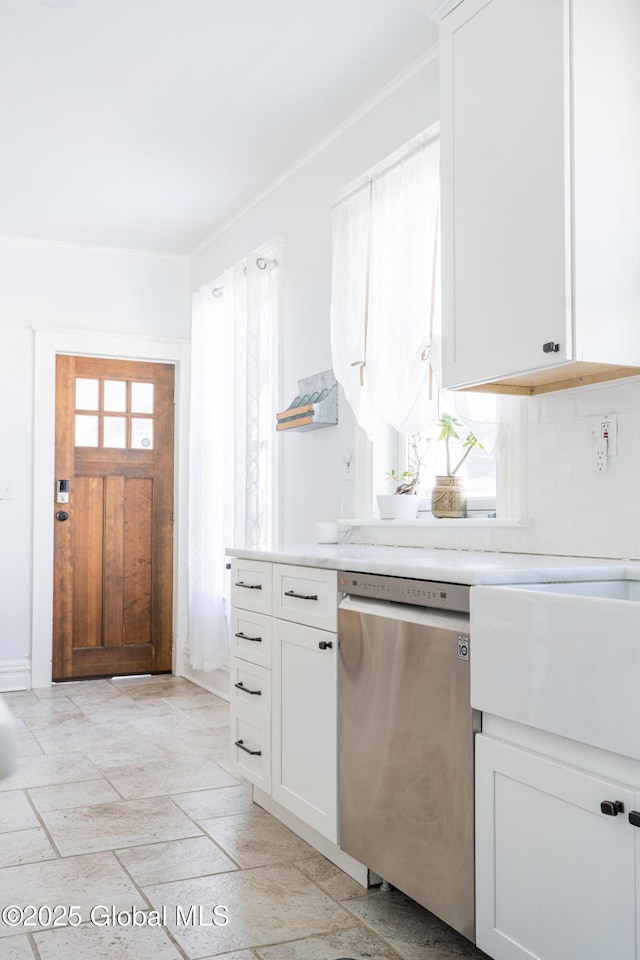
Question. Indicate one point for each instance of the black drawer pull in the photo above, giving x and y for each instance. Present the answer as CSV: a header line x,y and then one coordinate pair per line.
x,y
254,753
634,818
551,347
240,685
301,596
325,644
243,636
611,808
249,586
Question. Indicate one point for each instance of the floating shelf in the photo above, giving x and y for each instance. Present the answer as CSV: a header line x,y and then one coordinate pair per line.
x,y
315,406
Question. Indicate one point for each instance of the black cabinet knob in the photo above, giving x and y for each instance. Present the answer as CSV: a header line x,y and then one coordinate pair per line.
x,y
611,808
62,515
634,818
550,347
325,644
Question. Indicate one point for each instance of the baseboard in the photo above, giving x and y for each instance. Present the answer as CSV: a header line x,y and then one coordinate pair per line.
x,y
215,681
15,675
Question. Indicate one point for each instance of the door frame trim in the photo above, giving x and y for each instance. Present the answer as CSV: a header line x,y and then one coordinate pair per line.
x,y
48,343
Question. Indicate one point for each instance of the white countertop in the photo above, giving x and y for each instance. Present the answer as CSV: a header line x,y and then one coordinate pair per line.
x,y
453,566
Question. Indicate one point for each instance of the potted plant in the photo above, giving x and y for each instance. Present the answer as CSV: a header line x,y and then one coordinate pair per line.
x,y
448,498
403,503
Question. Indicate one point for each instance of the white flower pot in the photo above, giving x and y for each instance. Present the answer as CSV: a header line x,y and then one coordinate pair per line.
x,y
398,506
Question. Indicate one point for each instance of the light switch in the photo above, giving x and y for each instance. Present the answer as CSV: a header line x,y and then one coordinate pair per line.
x,y
6,489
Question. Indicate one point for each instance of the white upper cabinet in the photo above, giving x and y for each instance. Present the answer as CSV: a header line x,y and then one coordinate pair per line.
x,y
540,139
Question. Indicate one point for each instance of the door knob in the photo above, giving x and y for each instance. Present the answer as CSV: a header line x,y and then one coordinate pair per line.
x,y
62,515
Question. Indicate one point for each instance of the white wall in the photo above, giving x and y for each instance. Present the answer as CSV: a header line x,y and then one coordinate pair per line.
x,y
62,286
299,209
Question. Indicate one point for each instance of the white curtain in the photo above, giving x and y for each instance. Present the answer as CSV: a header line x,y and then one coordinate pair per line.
x,y
231,441
349,301
385,306
384,293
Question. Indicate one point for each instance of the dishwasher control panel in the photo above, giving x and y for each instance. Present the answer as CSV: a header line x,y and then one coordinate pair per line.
x,y
416,593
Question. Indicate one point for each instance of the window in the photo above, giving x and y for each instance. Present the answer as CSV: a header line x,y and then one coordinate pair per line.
x,y
105,428
385,329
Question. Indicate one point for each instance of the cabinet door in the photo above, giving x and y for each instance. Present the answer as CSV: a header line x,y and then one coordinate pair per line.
x,y
251,585
306,595
250,747
250,689
506,199
251,637
555,877
304,773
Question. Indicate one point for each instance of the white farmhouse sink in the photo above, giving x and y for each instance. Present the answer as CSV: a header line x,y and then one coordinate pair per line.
x,y
561,657
607,589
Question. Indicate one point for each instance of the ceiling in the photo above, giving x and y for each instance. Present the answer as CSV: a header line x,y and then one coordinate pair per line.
x,y
144,124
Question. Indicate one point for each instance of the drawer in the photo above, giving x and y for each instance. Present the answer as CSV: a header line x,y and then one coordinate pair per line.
x,y
306,595
251,637
251,585
250,689
251,748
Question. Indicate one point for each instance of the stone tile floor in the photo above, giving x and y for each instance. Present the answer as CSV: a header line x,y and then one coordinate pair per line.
x,y
123,802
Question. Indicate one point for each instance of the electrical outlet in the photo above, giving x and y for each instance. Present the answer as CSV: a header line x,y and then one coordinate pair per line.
x,y
347,465
601,459
603,427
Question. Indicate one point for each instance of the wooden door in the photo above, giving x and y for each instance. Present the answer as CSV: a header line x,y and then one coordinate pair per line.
x,y
113,574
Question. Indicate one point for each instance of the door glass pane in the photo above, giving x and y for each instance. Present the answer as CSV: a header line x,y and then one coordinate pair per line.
x,y
86,394
141,433
115,432
141,398
115,395
86,431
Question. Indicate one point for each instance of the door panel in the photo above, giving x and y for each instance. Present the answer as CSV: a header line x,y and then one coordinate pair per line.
x,y
113,578
138,560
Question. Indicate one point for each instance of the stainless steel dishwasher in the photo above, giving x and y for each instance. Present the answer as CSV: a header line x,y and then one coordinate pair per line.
x,y
405,739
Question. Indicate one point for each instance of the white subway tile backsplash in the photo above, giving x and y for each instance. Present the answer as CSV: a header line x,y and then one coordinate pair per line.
x,y
607,398
555,408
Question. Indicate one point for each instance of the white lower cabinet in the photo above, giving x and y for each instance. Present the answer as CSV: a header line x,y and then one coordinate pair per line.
x,y
283,688
304,724
556,876
251,748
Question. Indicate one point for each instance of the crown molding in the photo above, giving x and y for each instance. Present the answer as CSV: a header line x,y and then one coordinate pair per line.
x,y
91,247
436,10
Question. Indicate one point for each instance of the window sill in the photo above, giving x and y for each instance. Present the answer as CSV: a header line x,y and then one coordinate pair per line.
x,y
466,522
